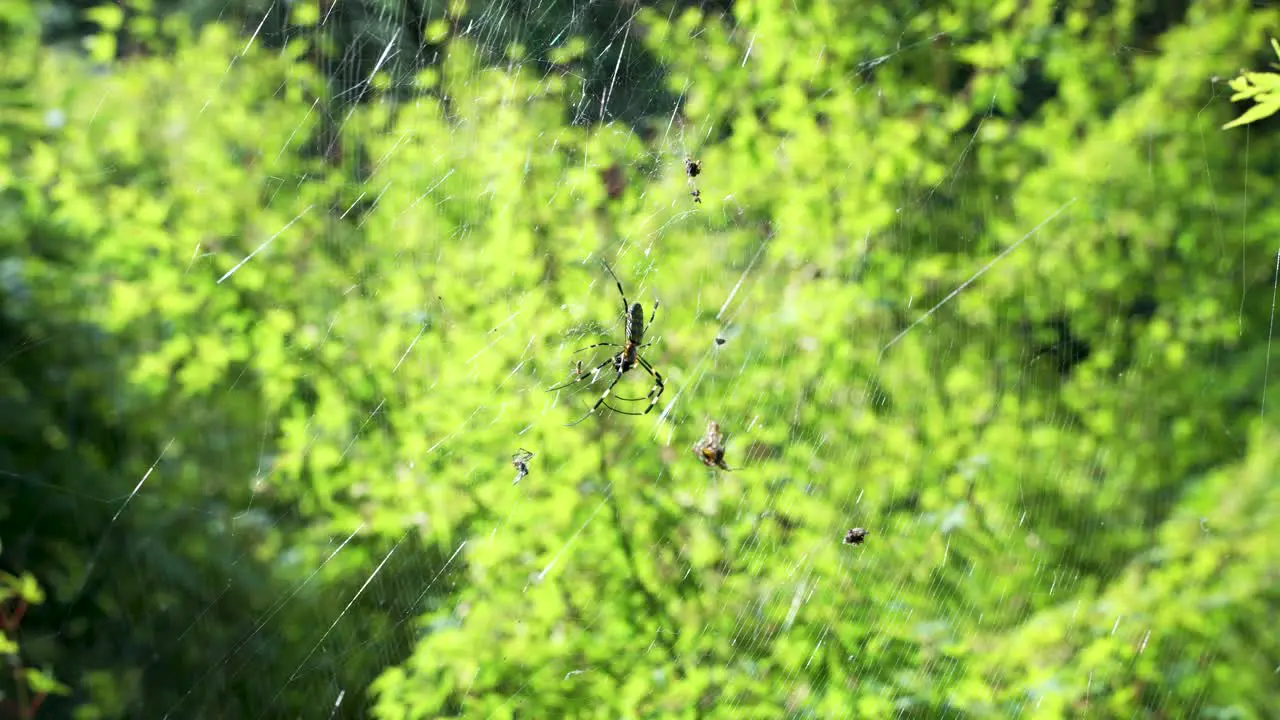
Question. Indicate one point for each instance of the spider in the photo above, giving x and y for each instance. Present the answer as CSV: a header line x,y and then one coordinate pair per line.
x,y
625,359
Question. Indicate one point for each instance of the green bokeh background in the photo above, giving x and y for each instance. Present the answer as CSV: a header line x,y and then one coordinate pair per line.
x,y
281,487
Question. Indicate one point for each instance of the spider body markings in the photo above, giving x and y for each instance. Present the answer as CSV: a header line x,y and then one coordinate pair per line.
x,y
623,361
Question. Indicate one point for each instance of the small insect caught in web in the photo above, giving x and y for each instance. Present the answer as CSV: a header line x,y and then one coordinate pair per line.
x,y
710,449
520,461
692,169
856,536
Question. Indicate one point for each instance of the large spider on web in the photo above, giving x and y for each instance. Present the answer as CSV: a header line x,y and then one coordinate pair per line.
x,y
623,360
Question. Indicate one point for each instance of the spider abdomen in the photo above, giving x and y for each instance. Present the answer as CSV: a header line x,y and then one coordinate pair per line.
x,y
635,325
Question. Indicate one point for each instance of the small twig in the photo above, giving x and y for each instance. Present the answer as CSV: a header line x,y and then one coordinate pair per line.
x,y
20,686
35,704
11,622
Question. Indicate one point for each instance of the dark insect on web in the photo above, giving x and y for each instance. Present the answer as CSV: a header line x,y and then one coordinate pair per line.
x,y
855,536
693,168
710,449
720,340
521,463
624,360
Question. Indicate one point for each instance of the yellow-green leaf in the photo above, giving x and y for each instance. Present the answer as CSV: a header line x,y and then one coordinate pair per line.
x,y
108,17
1257,112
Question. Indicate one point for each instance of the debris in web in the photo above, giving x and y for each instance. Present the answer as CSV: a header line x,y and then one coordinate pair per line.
x,y
856,536
520,461
710,449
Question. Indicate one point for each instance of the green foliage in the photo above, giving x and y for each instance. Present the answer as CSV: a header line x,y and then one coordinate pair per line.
x,y
991,290
131,452
1262,88
29,686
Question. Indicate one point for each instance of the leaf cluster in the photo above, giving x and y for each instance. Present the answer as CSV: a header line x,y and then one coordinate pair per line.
x,y
991,288
1261,87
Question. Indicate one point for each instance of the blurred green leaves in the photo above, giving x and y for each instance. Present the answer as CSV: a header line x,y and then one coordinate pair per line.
x,y
25,689
333,334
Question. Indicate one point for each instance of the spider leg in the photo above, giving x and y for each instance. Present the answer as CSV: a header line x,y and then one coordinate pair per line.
x,y
637,399
658,385
654,393
655,313
625,306
582,377
649,369
589,347
624,412
604,396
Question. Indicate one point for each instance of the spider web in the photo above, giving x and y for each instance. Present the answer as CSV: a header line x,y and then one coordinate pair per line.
x,y
1040,387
